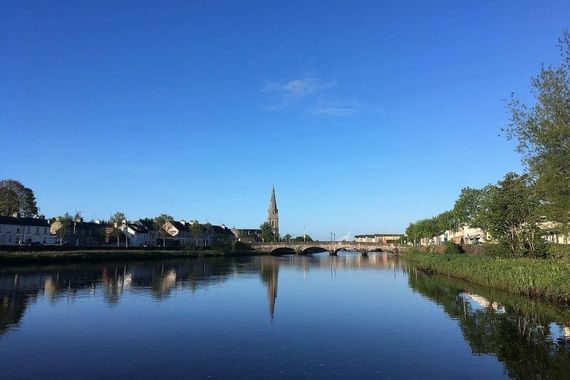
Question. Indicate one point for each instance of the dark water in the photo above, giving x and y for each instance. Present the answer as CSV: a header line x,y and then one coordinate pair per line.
x,y
269,317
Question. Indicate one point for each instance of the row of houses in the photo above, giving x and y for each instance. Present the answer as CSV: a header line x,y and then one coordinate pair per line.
x,y
384,239
15,230
471,235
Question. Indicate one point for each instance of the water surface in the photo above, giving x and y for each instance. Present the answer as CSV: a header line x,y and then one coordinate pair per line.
x,y
271,317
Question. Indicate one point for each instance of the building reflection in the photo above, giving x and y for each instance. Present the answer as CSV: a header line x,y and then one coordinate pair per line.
x,y
270,277
526,336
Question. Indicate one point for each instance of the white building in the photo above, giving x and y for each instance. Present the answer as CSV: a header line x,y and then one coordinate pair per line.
x,y
21,231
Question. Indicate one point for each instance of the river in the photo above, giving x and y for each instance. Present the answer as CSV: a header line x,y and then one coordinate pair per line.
x,y
286,317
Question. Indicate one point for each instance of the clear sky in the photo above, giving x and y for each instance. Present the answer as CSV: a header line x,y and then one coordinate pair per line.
x,y
364,115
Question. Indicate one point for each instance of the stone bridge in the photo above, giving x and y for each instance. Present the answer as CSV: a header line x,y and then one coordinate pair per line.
x,y
332,247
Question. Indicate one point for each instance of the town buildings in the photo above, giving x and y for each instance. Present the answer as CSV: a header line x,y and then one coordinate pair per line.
x,y
15,230
384,239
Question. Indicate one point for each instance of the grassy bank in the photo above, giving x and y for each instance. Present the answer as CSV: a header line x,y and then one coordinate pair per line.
x,y
52,257
546,279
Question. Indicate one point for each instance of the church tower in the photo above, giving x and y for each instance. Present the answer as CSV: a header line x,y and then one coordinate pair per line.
x,y
273,215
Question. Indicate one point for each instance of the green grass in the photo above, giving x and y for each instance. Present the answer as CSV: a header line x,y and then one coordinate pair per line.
x,y
546,279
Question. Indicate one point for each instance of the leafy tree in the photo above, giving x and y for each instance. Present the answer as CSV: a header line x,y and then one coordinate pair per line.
x,y
446,221
542,131
287,237
303,238
161,221
16,198
63,223
513,214
116,221
468,205
413,233
267,232
472,207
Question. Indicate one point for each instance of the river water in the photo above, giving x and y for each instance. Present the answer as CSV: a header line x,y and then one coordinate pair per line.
x,y
287,317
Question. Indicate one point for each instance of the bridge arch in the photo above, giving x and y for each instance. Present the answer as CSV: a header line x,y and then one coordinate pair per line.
x,y
283,251
312,250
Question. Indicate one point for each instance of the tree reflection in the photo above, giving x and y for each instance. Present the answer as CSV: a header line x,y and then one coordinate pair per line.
x,y
521,337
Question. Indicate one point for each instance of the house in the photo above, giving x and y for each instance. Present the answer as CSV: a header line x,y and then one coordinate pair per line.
x,y
247,235
179,232
15,230
223,236
79,232
141,233
553,234
384,239
202,234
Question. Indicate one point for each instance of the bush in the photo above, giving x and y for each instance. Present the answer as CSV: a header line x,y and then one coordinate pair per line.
x,y
558,251
450,248
242,247
496,250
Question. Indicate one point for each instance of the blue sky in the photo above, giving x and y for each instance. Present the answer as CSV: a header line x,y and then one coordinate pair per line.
x,y
365,115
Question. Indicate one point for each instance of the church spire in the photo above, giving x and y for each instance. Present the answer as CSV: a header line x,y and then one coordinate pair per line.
x,y
273,215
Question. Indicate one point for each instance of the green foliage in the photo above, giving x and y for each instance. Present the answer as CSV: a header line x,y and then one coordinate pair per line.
x,y
267,234
542,131
287,237
513,214
160,221
558,251
303,238
64,223
452,249
546,279
16,198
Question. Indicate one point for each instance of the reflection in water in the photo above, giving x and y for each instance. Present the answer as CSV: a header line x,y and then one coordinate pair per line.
x,y
514,329
526,336
269,276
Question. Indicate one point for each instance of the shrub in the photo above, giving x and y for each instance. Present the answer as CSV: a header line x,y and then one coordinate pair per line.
x,y
558,251
451,248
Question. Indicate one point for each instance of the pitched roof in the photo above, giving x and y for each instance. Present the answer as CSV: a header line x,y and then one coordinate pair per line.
x,y
138,228
24,221
148,224
222,230
179,226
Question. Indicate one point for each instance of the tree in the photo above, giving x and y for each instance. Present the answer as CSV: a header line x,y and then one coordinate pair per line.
x,y
412,232
63,224
542,132
287,237
303,238
267,234
116,222
197,232
468,205
513,214
16,198
161,221
471,208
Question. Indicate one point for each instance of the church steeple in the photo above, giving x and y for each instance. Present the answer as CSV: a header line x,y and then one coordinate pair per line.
x,y
273,214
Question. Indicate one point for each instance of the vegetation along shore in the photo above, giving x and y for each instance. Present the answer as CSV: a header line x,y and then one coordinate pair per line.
x,y
541,278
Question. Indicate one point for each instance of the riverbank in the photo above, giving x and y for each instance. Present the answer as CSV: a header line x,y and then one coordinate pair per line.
x,y
59,257
544,279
